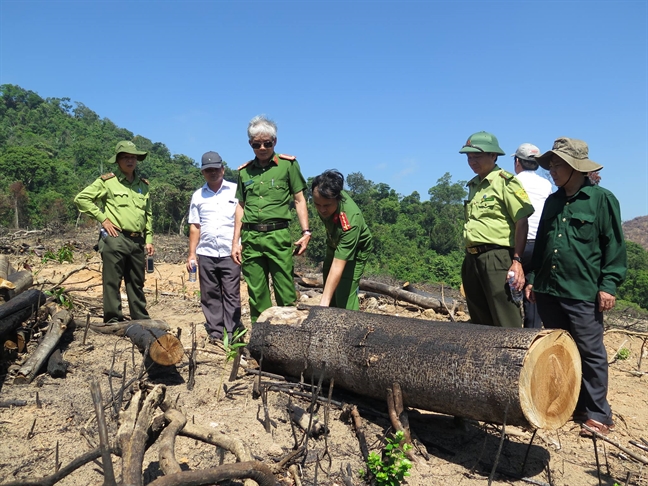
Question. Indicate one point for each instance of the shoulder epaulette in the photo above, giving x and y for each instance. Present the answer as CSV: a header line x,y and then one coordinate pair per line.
x,y
287,157
245,165
506,175
344,222
145,181
107,176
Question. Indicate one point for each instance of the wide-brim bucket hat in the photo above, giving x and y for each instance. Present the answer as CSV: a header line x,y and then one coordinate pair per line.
x,y
482,142
127,147
573,151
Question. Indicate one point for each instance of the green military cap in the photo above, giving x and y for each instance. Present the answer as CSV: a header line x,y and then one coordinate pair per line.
x,y
127,147
482,142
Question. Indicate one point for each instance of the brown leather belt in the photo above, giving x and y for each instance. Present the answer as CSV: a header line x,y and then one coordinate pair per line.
x,y
265,227
477,250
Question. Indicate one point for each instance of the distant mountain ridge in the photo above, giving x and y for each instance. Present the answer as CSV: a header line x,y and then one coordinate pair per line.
x,y
636,230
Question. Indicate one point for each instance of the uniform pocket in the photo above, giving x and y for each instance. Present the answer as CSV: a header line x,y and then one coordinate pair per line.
x,y
582,227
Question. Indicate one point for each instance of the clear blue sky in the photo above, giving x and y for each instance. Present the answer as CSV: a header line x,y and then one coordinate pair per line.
x,y
391,89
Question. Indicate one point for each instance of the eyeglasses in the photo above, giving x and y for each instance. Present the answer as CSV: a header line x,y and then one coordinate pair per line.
x,y
257,145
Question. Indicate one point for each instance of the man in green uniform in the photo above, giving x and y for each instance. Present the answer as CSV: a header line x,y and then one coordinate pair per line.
x,y
348,243
495,234
120,202
261,244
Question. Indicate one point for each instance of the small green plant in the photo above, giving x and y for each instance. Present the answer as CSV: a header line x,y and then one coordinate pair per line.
x,y
622,354
64,254
61,298
393,466
231,350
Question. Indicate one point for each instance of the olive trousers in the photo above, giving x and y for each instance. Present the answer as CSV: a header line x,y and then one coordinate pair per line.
x,y
123,258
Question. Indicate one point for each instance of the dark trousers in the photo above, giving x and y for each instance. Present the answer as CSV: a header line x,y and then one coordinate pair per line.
x,y
585,324
123,258
531,317
220,294
487,293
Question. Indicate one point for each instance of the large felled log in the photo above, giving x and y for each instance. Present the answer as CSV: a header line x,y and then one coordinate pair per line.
x,y
484,373
31,367
14,312
163,348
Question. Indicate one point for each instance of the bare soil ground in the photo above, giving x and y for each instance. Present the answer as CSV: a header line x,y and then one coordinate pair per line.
x,y
465,455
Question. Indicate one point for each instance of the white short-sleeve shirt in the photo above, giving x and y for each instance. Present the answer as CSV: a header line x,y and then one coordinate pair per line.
x,y
214,212
538,188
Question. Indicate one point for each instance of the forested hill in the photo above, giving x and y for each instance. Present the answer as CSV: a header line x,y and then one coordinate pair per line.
x,y
52,148
637,230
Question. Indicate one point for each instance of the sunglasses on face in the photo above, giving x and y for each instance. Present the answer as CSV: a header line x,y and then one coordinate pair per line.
x,y
257,145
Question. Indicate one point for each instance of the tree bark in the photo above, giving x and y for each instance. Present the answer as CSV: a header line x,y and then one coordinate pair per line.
x,y
21,282
466,370
56,366
14,312
4,266
163,348
258,471
32,366
119,328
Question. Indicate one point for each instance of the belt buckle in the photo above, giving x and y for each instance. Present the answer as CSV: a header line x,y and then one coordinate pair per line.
x,y
262,227
135,235
472,250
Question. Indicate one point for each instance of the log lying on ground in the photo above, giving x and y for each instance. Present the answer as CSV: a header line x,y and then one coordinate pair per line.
x,y
18,309
119,328
425,301
19,283
32,366
484,373
163,348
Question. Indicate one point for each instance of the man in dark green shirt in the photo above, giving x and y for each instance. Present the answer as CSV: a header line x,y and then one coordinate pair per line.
x,y
579,261
348,241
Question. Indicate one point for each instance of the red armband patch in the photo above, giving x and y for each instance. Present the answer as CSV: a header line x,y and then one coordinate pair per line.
x,y
287,157
105,177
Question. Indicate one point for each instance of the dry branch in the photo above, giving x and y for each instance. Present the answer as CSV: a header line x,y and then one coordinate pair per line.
x,y
631,453
15,284
255,470
168,461
18,309
303,418
32,366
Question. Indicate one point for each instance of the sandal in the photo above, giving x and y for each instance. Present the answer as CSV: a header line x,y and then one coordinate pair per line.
x,y
602,429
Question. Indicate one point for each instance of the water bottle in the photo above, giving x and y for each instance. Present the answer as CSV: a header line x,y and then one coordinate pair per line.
x,y
192,273
516,295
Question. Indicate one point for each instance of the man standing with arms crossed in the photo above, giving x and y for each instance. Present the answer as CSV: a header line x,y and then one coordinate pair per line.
x,y
211,228
120,202
538,189
266,186
579,262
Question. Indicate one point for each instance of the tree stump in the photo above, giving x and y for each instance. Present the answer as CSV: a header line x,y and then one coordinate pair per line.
x,y
479,372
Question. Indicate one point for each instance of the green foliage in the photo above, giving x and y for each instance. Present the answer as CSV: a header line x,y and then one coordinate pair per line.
x,y
231,348
61,298
392,467
622,354
64,254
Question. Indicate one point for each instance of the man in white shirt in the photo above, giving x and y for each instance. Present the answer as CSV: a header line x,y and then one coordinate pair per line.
x,y
211,230
538,188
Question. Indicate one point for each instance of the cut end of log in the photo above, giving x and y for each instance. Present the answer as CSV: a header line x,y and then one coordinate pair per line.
x,y
550,380
166,350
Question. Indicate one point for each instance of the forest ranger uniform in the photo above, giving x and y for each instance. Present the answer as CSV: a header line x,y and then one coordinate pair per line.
x,y
128,206
266,194
348,239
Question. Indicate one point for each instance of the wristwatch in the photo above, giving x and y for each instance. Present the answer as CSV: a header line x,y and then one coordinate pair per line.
x,y
307,232
517,259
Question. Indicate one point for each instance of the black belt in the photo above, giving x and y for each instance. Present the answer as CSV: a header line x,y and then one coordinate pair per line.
x,y
131,234
265,227
476,250
530,241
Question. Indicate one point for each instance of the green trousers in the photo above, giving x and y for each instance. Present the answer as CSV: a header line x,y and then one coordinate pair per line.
x,y
123,258
346,293
487,293
264,254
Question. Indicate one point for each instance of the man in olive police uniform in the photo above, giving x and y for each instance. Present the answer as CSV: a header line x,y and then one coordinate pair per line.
x,y
495,234
262,244
120,202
